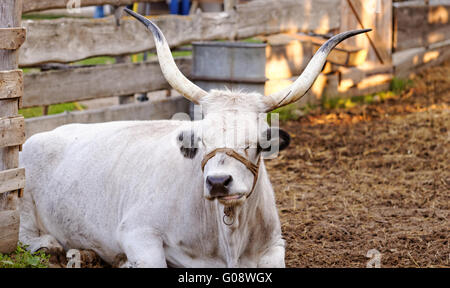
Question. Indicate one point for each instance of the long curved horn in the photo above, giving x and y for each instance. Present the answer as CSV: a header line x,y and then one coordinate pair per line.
x,y
170,70
309,75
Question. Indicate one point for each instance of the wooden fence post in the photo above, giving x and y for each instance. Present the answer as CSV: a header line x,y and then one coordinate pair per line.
x,y
375,14
12,130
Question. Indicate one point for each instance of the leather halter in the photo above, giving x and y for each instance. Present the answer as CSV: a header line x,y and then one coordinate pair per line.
x,y
254,168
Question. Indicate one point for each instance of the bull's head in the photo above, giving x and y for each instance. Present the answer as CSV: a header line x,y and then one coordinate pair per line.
x,y
233,134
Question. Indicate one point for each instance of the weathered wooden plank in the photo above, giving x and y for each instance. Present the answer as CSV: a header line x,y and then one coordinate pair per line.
x,y
330,68
372,84
319,40
286,56
343,54
9,230
375,87
345,57
408,62
10,16
67,40
349,77
313,96
11,84
374,14
12,131
97,82
39,5
12,38
269,17
151,110
13,179
368,85
8,107
417,24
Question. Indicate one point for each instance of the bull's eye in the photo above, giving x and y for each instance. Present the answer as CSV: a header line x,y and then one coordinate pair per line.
x,y
189,143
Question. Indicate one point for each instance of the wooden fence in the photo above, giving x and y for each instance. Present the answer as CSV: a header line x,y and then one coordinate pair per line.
x,y
67,40
12,133
421,35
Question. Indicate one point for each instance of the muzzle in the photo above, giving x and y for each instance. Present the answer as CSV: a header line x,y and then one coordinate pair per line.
x,y
254,168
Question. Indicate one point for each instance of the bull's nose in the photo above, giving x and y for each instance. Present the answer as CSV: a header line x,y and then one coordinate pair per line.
x,y
218,185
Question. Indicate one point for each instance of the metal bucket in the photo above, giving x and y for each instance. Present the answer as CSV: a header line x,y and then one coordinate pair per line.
x,y
234,65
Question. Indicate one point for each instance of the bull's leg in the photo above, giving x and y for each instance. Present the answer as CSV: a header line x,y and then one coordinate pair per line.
x,y
29,233
274,257
143,248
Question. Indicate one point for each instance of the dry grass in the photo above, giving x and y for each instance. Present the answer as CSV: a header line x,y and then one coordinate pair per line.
x,y
370,177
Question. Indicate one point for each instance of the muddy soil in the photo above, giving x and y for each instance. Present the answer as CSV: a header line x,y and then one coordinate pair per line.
x,y
370,177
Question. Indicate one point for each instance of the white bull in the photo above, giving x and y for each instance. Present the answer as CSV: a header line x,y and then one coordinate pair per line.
x,y
136,189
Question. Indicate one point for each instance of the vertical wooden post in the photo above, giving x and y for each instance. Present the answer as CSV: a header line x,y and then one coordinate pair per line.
x,y
375,14
11,125
228,6
125,99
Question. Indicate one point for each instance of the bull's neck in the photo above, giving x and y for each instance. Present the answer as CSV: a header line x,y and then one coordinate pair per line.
x,y
235,229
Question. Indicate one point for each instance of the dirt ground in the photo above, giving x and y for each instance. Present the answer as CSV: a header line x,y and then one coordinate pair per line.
x,y
370,177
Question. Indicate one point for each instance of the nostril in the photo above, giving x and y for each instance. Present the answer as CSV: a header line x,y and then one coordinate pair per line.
x,y
228,181
208,181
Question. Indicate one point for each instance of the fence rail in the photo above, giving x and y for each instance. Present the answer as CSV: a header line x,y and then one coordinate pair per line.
x,y
152,110
13,179
12,131
420,24
39,5
68,39
11,38
11,84
84,83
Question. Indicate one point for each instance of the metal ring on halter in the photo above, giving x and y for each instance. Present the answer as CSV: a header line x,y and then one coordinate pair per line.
x,y
225,222
228,213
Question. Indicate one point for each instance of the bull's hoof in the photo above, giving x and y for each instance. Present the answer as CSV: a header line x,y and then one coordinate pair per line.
x,y
120,261
57,256
90,259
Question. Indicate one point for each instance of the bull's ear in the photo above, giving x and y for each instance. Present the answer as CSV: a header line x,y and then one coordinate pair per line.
x,y
188,143
273,140
285,139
